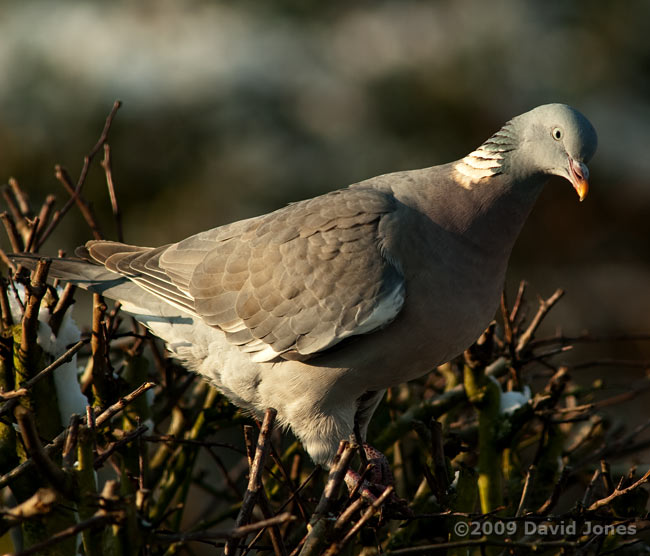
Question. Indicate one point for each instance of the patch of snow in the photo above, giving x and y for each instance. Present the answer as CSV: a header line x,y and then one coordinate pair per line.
x,y
66,377
511,401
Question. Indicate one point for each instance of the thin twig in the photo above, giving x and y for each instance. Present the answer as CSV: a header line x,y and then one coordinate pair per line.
x,y
44,214
30,236
606,476
255,478
334,480
514,313
117,215
619,492
100,142
100,375
545,306
435,407
10,264
552,500
12,233
235,533
274,531
66,299
41,503
86,210
5,308
505,317
338,546
114,446
530,475
439,460
313,541
30,318
100,519
589,338
586,498
290,484
58,478
69,454
17,215
120,404
28,385
21,197
249,443
59,214
482,542
347,514
57,443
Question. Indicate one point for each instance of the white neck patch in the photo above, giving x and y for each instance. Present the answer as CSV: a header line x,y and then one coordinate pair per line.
x,y
487,160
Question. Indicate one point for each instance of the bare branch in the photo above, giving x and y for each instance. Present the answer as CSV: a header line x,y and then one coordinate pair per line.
x,y
619,492
86,210
126,439
30,319
57,443
545,306
530,476
28,385
12,233
117,214
235,533
17,215
255,478
21,197
337,547
99,520
66,299
59,214
58,478
44,214
5,308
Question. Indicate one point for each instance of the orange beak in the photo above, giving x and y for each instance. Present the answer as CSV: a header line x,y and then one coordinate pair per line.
x,y
579,175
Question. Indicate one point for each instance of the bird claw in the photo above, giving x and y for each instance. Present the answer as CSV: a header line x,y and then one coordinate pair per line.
x,y
377,479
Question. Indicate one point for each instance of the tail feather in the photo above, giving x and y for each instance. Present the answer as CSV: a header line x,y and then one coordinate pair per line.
x,y
87,275
101,250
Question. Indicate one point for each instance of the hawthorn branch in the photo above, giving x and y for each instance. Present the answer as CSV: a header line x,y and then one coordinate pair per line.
x,y
108,171
59,479
57,443
59,214
255,478
619,492
545,305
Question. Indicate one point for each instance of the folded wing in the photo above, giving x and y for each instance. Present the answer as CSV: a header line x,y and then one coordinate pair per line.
x,y
291,283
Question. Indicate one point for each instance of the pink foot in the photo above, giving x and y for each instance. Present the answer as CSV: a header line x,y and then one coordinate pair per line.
x,y
376,481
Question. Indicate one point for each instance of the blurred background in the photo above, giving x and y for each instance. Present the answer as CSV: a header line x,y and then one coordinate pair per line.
x,y
232,109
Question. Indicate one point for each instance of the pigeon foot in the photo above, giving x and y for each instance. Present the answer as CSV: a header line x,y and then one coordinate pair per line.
x,y
374,483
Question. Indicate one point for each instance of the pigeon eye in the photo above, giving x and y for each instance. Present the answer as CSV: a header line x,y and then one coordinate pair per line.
x,y
557,133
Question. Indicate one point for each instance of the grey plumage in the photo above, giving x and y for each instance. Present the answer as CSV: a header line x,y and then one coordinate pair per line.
x,y
406,267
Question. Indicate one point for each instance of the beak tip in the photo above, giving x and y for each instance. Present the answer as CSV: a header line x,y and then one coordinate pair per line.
x,y
579,174
582,190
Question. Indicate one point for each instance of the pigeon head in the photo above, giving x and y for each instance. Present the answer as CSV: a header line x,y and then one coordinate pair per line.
x,y
555,139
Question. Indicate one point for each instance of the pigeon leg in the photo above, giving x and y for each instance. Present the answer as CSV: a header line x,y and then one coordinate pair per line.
x,y
375,481
379,476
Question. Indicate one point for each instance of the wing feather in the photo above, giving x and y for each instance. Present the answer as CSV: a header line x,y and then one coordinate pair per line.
x,y
291,283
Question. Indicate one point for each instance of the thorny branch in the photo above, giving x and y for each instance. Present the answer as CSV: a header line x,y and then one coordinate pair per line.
x,y
255,487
